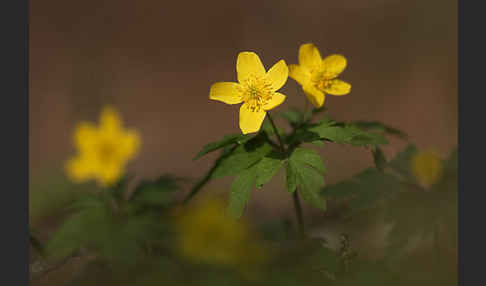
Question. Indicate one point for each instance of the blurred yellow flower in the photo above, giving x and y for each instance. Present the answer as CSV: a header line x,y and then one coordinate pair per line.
x,y
207,235
102,152
318,76
256,88
426,167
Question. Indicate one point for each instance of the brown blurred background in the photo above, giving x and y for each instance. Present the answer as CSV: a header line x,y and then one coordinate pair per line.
x,y
155,61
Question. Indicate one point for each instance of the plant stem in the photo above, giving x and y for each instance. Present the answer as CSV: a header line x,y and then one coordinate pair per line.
x,y
298,212
201,183
280,141
295,196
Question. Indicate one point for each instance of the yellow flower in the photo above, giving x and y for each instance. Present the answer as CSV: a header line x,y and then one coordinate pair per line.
x,y
255,88
426,167
207,235
318,76
102,151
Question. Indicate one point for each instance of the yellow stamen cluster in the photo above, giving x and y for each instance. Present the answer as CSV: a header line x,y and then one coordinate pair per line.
x,y
255,92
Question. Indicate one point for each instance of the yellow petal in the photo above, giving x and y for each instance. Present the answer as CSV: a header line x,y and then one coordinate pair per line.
x,y
129,144
79,169
226,92
249,64
337,87
332,66
299,74
277,99
110,173
315,96
110,121
309,56
278,74
250,121
85,136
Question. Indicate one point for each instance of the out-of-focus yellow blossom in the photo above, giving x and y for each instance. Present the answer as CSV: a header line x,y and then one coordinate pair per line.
x,y
426,167
318,76
102,151
207,235
256,88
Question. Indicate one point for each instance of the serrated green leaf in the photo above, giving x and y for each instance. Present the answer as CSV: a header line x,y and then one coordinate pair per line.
x,y
304,171
268,167
240,191
308,156
341,133
225,141
310,182
242,157
367,139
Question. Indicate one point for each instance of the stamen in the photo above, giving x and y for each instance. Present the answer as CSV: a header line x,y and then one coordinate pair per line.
x,y
256,92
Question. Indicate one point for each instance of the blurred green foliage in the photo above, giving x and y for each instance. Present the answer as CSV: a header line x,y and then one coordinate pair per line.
x,y
126,235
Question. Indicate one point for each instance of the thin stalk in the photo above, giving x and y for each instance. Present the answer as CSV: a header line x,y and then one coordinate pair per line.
x,y
280,141
298,212
295,196
201,183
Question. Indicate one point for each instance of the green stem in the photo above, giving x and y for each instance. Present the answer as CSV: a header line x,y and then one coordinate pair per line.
x,y
280,141
298,212
295,196
207,177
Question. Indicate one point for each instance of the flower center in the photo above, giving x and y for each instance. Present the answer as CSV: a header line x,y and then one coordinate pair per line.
x,y
255,92
106,152
321,80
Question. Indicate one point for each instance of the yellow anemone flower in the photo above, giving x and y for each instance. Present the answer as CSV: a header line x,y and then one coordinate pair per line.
x,y
256,88
103,151
426,167
207,235
318,76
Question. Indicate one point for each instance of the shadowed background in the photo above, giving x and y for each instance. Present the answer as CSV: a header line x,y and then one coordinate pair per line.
x,y
155,61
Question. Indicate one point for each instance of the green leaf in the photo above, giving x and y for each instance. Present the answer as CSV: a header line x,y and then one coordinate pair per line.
x,y
242,157
310,182
308,156
157,192
87,201
401,162
364,189
268,167
340,133
227,140
380,127
293,116
240,191
305,170
367,139
327,130
379,158
318,142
